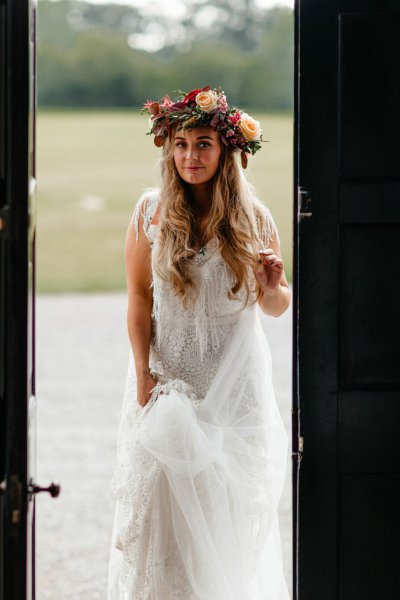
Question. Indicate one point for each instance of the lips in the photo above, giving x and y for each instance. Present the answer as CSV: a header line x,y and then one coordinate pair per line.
x,y
193,168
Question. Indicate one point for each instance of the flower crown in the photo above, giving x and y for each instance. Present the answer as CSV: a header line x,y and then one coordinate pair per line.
x,y
202,107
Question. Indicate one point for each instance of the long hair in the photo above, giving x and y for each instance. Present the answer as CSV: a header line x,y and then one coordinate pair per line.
x,y
235,218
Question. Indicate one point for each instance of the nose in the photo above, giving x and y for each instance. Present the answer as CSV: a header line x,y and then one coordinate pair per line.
x,y
192,152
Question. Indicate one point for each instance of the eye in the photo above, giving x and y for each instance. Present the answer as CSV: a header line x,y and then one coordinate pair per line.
x,y
179,144
204,144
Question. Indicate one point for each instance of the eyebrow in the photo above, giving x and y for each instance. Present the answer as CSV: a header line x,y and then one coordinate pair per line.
x,y
200,137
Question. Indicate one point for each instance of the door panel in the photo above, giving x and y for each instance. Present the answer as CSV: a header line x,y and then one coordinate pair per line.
x,y
369,95
369,262
369,531
347,322
368,431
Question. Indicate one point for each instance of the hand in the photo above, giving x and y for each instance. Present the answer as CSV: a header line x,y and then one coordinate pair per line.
x,y
145,386
268,270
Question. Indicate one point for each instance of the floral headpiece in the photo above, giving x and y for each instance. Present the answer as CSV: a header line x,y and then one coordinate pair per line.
x,y
202,107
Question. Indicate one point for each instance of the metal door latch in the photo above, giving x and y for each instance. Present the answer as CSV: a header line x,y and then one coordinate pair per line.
x,y
304,203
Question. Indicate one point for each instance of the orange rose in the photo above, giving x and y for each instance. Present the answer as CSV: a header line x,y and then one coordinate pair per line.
x,y
250,128
207,101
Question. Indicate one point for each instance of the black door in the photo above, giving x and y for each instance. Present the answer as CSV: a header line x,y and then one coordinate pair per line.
x,y
17,231
17,306
347,322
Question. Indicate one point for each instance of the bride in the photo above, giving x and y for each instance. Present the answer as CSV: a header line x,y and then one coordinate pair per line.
x,y
202,448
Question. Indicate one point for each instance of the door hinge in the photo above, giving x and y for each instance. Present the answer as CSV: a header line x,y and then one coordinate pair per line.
x,y
15,500
4,220
300,447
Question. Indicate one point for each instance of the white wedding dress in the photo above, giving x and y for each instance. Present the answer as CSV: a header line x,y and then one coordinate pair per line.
x,y
200,469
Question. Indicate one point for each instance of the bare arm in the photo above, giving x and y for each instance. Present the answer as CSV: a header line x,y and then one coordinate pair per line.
x,y
275,297
140,297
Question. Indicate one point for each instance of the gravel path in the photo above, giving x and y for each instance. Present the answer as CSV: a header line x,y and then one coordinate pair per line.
x,y
82,354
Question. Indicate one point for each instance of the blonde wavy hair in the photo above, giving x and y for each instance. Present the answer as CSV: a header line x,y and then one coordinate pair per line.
x,y
236,218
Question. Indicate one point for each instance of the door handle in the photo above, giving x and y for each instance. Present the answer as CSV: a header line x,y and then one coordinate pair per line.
x,y
53,488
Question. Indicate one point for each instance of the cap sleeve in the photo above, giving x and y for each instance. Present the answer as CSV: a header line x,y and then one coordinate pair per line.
x,y
267,231
145,206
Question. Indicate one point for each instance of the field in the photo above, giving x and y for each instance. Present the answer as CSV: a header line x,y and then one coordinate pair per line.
x,y
91,168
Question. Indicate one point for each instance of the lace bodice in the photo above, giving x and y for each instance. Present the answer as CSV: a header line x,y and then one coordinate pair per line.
x,y
187,342
201,466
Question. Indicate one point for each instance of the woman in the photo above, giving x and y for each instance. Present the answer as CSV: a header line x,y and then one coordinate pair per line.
x,y
202,448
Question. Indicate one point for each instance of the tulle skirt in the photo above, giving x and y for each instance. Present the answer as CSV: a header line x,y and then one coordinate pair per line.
x,y
198,482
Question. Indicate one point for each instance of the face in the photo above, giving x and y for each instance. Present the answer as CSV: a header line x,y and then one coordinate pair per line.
x,y
196,154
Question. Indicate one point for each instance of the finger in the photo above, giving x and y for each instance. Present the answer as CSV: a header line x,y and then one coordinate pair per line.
x,y
269,259
274,259
278,266
265,259
268,262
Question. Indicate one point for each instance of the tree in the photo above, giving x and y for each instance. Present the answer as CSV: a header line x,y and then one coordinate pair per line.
x,y
85,55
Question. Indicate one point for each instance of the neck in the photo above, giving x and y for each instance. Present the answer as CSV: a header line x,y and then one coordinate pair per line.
x,y
201,197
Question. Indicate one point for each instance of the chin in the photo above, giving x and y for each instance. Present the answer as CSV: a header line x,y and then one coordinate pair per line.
x,y
196,179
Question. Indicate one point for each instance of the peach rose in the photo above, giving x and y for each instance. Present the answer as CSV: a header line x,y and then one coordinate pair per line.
x,y
250,128
207,101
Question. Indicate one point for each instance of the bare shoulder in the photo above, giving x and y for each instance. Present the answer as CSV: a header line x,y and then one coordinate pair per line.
x,y
138,244
156,217
268,233
146,208
267,229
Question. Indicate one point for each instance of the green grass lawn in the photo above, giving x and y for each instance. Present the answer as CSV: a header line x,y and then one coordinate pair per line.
x,y
91,168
